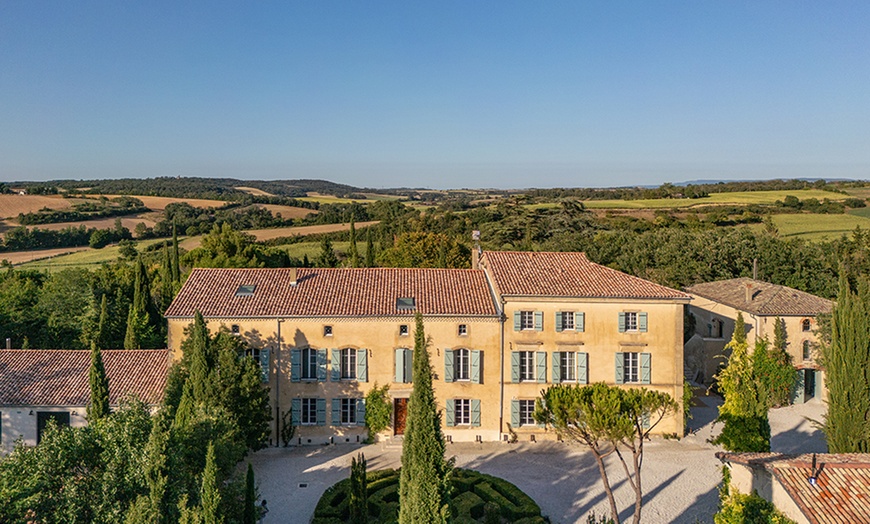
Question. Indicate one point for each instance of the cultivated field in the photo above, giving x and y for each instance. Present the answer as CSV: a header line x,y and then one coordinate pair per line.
x,y
817,227
129,222
312,249
743,197
253,191
12,205
85,257
288,211
270,234
159,203
21,257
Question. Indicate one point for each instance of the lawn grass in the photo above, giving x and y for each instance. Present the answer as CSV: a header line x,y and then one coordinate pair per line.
x,y
817,227
741,197
89,259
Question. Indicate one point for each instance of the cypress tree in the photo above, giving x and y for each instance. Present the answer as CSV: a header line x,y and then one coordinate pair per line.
x,y
327,256
353,253
98,407
424,479
370,249
132,339
166,278
359,491
250,511
102,336
176,270
210,497
198,379
847,365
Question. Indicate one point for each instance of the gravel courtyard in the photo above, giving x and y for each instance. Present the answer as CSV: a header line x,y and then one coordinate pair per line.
x,y
680,478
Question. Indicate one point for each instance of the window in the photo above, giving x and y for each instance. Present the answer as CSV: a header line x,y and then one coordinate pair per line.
x,y
568,366
527,320
403,330
716,328
461,364
631,321
245,290
567,318
308,416
807,352
327,331
234,329
805,324
527,365
61,418
348,364
348,411
463,330
405,303
404,365
309,364
462,412
631,366
527,412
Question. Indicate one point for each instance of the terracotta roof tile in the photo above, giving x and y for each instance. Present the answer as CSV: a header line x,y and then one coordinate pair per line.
x,y
333,292
567,275
767,299
59,377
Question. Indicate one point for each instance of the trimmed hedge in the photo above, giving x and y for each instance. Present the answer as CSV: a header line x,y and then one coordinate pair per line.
x,y
471,492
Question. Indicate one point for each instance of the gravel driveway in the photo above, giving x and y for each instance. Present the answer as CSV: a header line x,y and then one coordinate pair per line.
x,y
680,478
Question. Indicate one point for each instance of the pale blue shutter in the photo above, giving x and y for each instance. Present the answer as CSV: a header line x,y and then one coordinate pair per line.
x,y
400,365
541,357
622,322
557,367
321,412
336,412
360,412
515,413
449,415
362,365
518,323
475,365
539,320
558,321
335,364
264,365
321,365
515,366
582,368
645,420
295,411
448,365
620,375
645,365
641,322
475,413
409,365
580,321
295,365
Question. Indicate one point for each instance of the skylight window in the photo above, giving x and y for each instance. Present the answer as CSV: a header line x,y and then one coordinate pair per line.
x,y
245,290
405,303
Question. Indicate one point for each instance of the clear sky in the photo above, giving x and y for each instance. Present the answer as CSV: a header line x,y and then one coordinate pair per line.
x,y
435,94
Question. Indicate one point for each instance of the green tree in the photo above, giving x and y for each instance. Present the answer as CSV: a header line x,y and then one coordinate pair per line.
x,y
776,369
426,250
353,253
176,270
359,491
370,248
847,365
98,407
210,497
327,257
424,484
101,338
378,410
250,514
608,420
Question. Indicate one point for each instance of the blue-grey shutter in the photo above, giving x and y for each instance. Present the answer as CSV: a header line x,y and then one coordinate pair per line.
x,y
557,367
409,365
400,365
295,365
620,374
448,413
360,412
448,365
518,323
475,413
621,322
797,394
336,412
582,368
362,365
295,411
515,413
558,321
580,321
321,365
539,320
335,364
475,365
265,365
321,412
645,420
515,366
641,322
645,365
541,357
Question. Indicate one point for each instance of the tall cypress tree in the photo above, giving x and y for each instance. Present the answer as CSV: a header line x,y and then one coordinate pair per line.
x,y
166,281
424,480
359,491
353,253
101,338
176,270
370,249
209,496
249,515
847,366
98,407
198,380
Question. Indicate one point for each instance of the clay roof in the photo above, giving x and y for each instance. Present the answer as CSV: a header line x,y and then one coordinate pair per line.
x,y
567,275
333,292
842,490
767,299
59,377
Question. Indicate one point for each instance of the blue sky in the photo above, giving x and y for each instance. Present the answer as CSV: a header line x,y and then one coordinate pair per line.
x,y
436,94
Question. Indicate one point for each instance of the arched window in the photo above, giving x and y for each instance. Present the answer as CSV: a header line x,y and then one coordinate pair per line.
x,y
807,353
805,324
462,364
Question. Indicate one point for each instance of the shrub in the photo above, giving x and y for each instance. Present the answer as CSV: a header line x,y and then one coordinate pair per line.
x,y
378,410
469,504
737,508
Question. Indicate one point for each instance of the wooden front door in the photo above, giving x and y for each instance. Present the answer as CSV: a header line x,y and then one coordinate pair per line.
x,y
400,413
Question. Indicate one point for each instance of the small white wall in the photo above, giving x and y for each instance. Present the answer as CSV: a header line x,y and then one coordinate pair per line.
x,y
17,422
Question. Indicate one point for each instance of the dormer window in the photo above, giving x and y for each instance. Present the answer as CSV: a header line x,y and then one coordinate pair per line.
x,y
405,303
245,290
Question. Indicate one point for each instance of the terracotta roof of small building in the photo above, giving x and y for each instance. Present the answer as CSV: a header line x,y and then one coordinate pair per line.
x,y
842,490
333,292
59,377
567,275
766,299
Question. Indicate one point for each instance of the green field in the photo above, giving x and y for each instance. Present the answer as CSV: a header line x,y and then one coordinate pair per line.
x,y
743,197
817,227
312,249
84,259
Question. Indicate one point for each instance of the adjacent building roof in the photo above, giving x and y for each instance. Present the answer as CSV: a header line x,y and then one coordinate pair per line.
x,y
763,298
59,377
333,292
842,488
567,275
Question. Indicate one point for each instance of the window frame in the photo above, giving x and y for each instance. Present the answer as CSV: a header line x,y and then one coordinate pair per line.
x,y
308,369
527,413
806,325
527,320
462,330
308,410
461,365
327,331
528,366
347,409
403,330
631,317
568,366
631,364
806,351
568,320
347,364
461,412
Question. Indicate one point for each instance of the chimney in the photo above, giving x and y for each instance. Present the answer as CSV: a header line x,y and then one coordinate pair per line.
x,y
754,269
748,293
293,276
8,343
475,252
